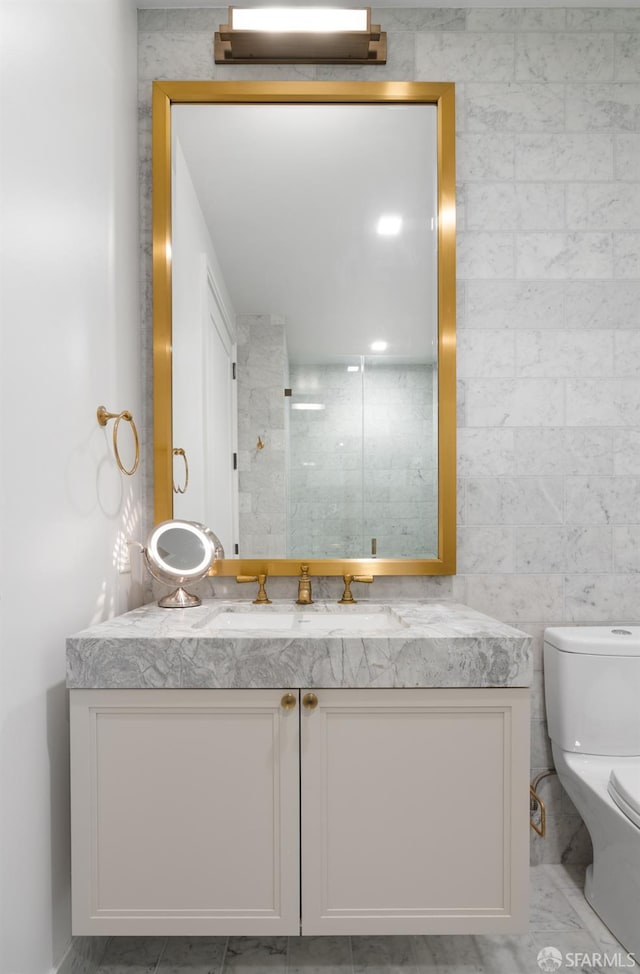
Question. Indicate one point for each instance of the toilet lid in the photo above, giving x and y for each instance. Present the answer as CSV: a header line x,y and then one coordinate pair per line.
x,y
624,788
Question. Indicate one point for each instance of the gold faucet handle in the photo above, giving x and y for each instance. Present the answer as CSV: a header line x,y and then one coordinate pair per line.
x,y
262,597
304,587
347,597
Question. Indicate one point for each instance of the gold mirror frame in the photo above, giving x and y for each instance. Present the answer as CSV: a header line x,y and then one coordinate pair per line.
x,y
442,95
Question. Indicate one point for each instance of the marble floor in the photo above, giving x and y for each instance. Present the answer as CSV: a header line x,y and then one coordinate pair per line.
x,y
560,917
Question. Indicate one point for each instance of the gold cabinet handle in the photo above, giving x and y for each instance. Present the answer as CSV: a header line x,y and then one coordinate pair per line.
x,y
288,701
310,701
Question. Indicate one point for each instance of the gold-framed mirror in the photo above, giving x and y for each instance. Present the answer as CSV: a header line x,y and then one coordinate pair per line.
x,y
342,111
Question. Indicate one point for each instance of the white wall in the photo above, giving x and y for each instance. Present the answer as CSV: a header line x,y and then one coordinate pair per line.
x,y
70,334
193,251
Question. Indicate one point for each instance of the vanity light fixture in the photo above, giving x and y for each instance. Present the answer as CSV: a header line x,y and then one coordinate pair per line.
x,y
389,225
379,346
298,35
314,406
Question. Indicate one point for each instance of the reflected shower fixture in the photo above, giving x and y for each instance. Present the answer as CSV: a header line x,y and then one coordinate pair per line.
x,y
300,35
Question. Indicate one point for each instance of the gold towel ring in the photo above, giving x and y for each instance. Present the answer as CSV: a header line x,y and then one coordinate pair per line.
x,y
103,419
179,452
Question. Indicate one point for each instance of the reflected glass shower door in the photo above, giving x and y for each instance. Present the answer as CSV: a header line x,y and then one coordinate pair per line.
x,y
326,490
400,458
363,459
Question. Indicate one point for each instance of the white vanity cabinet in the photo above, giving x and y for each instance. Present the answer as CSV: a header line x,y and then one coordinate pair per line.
x,y
386,811
415,811
184,812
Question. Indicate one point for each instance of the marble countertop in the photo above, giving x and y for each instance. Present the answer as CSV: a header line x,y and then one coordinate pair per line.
x,y
425,644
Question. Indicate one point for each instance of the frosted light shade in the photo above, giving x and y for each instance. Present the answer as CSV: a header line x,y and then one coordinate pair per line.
x,y
299,19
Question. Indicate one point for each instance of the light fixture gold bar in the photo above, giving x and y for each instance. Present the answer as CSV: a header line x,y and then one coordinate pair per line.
x,y
313,47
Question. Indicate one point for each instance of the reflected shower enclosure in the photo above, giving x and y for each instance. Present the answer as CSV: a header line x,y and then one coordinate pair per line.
x,y
363,470
341,456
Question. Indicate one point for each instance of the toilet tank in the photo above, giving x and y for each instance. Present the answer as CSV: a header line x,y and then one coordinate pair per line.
x,y
592,688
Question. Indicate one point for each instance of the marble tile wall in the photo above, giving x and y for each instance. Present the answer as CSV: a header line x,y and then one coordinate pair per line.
x,y
548,142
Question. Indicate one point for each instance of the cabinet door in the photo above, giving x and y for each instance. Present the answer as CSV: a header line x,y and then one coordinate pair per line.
x,y
185,812
415,811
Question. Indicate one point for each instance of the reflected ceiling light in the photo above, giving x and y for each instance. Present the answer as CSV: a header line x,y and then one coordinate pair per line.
x,y
308,405
353,368
379,346
389,225
294,35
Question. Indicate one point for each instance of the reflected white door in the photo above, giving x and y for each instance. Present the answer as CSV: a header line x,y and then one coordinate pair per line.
x,y
219,423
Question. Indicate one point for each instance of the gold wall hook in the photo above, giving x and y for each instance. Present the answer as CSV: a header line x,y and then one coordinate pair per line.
x,y
179,452
103,418
260,444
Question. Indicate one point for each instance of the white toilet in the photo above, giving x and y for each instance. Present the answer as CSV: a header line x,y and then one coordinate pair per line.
x,y
592,687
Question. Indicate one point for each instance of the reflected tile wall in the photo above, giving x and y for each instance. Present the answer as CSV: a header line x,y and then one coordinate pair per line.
x,y
548,141
263,374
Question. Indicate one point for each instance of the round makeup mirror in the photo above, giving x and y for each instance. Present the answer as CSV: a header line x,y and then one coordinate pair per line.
x,y
179,552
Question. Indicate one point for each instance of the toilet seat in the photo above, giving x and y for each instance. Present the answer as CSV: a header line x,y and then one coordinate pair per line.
x,y
624,788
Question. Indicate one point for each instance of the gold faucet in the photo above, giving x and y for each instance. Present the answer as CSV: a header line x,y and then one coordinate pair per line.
x,y
304,587
347,597
262,598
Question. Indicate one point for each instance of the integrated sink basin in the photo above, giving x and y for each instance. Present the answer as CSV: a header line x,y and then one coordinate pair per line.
x,y
301,623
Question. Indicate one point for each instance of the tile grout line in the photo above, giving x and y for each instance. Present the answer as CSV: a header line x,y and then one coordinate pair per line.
x,y
351,955
224,955
160,956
